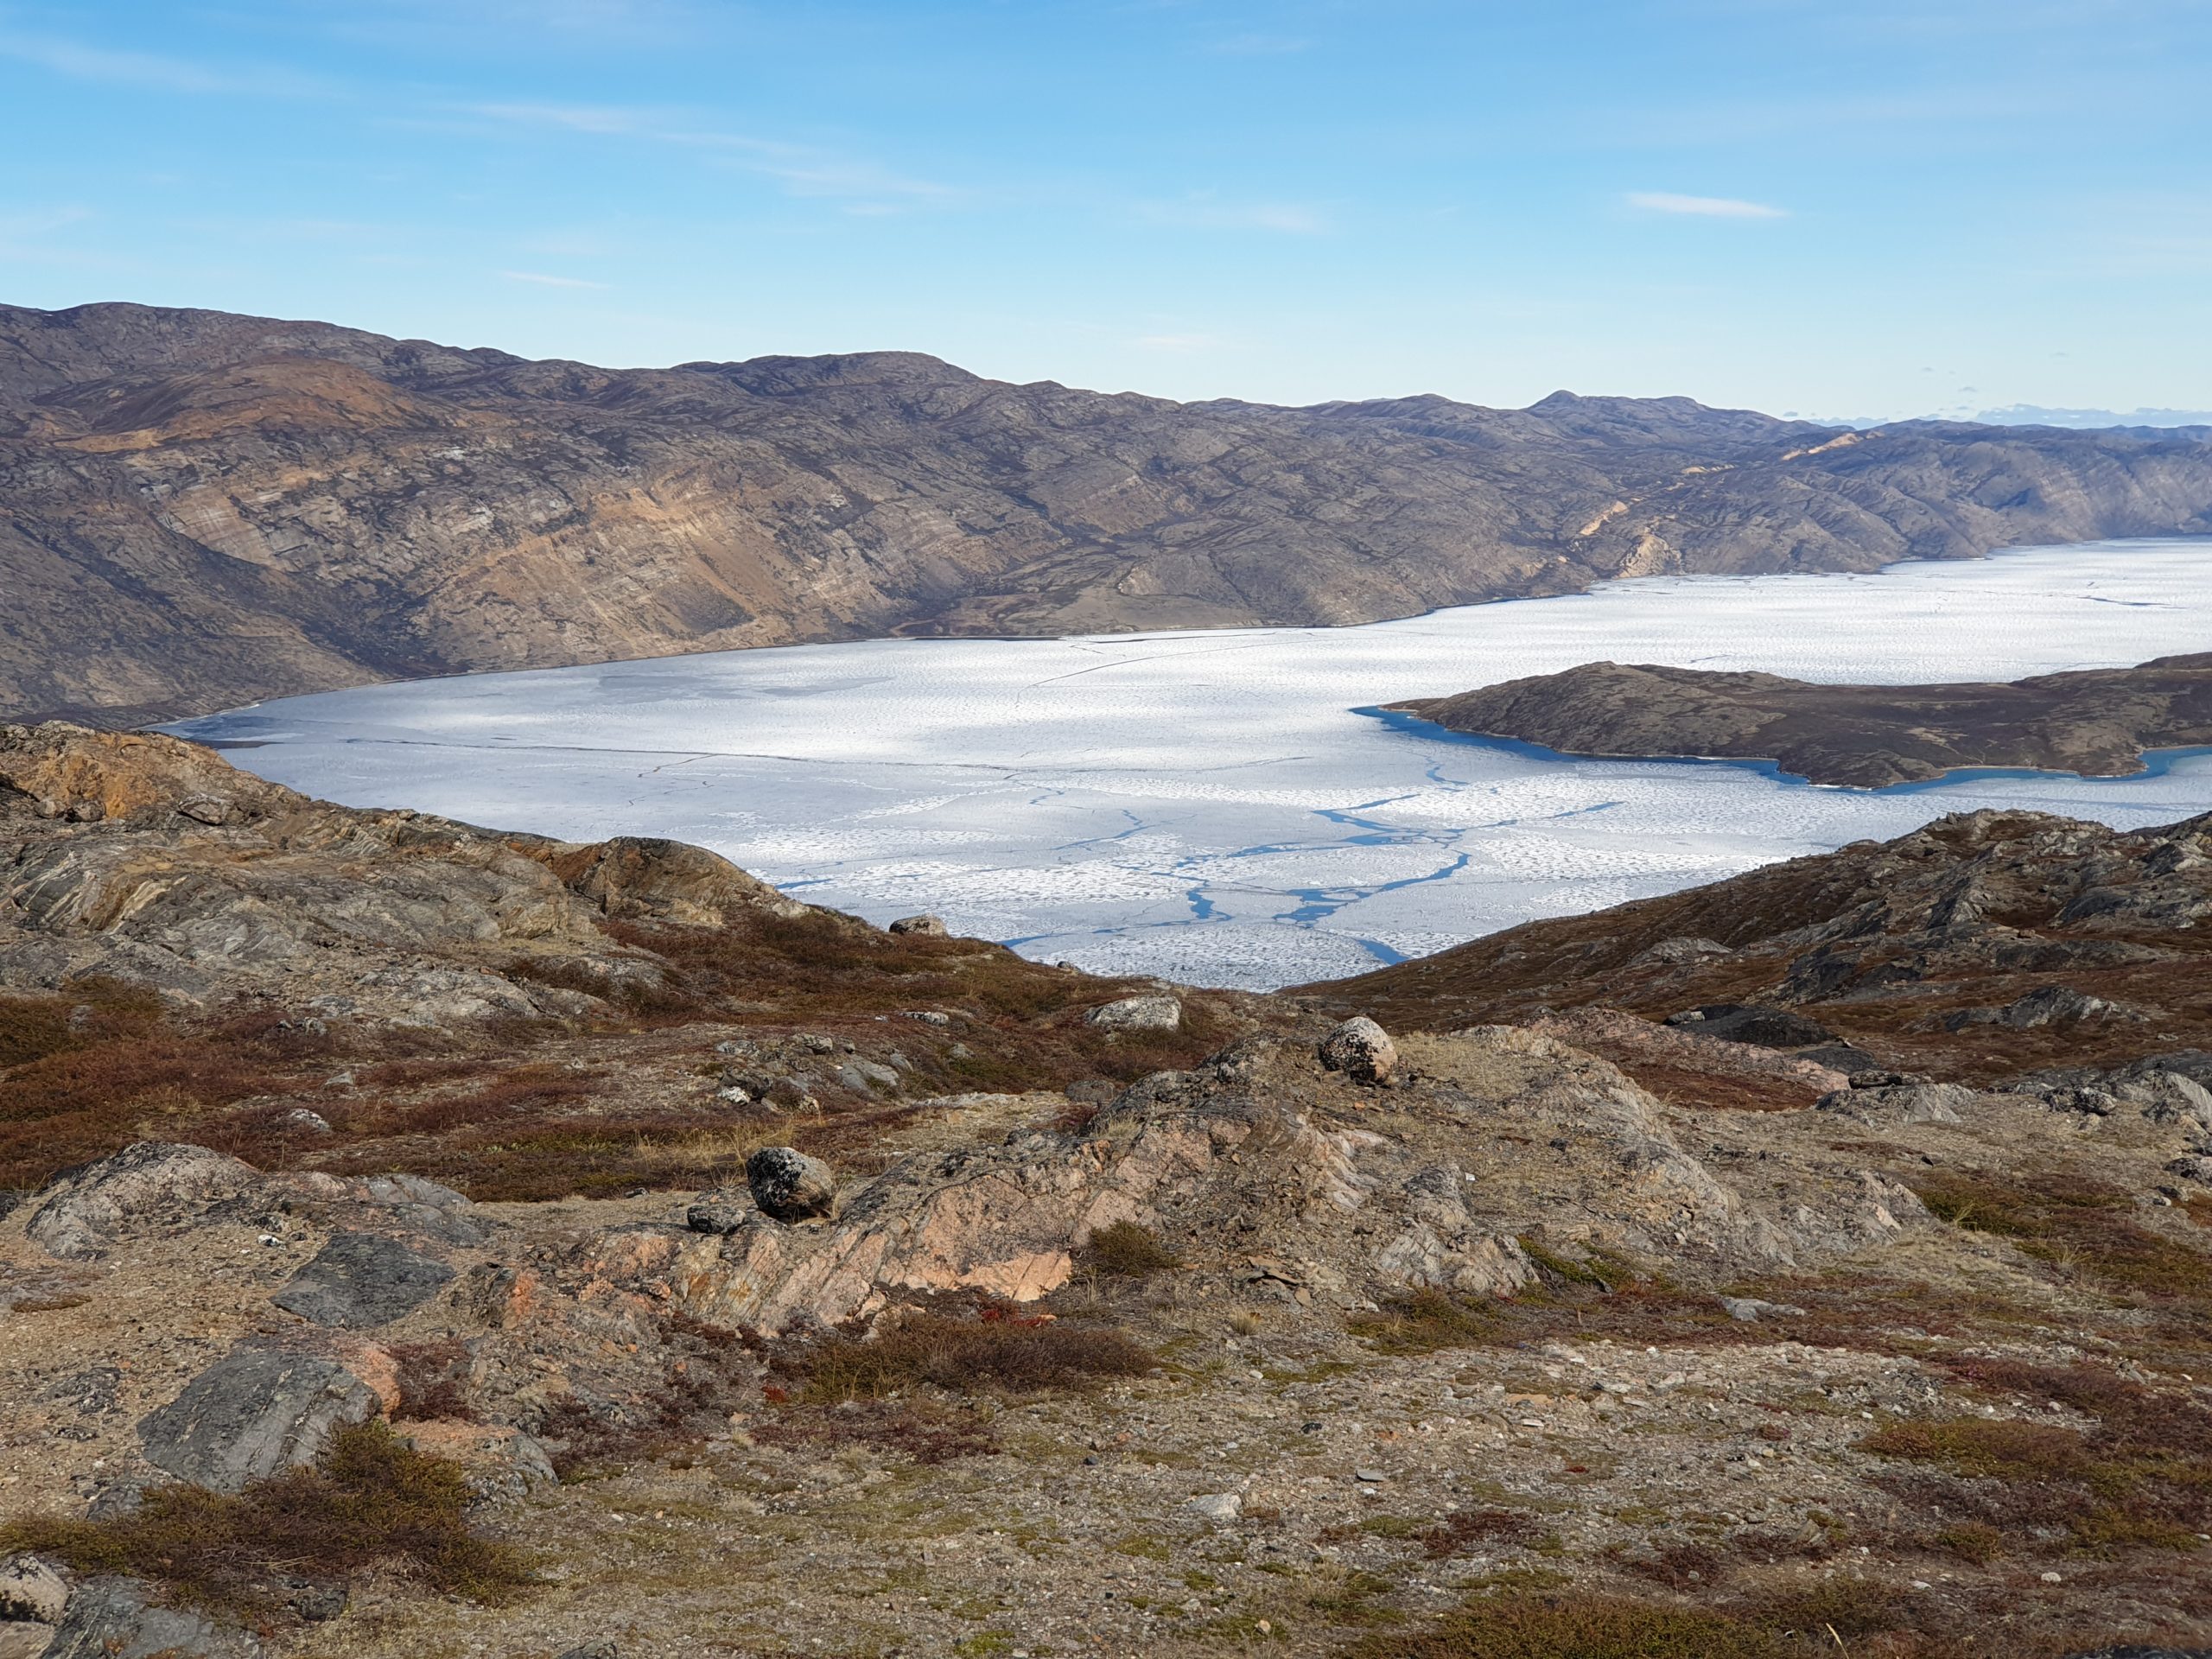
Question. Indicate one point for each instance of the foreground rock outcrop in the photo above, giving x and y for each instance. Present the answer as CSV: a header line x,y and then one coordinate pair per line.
x,y
287,507
2098,722
1824,1248
145,858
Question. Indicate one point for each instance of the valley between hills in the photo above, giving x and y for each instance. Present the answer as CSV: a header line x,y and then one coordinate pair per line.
x,y
423,1237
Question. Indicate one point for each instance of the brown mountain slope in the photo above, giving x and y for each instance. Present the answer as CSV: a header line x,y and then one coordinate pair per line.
x,y
197,509
2097,721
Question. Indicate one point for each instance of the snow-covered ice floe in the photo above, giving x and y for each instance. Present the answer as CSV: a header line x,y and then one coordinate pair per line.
x,y
1213,807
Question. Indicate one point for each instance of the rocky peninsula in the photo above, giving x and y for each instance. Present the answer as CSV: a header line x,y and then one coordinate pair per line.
x,y
2097,722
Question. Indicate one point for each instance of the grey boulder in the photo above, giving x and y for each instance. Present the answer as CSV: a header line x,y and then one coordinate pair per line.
x,y
2169,1097
720,1213
251,1413
1137,1014
2050,1005
31,1590
116,1618
360,1280
1908,1103
144,1190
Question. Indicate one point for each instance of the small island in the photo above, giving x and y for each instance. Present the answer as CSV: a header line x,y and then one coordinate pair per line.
x,y
2097,722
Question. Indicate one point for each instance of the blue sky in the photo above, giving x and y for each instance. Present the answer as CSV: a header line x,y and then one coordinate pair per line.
x,y
1879,208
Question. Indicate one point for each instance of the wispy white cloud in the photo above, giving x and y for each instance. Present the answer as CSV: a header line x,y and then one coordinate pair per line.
x,y
1207,212
1176,342
28,238
544,281
15,225
802,169
147,70
1260,46
1665,202
606,120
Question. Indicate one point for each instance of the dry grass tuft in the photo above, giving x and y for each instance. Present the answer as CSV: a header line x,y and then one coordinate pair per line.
x,y
122,1064
1125,1250
2135,1480
1537,1626
369,1501
921,1430
1465,1531
1008,1351
2078,1226
432,1381
1424,1322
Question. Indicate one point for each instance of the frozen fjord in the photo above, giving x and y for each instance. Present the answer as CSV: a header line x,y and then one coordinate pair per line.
x,y
1210,806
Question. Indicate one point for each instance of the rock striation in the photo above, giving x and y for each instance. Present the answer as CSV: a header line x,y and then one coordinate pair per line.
x,y
204,508
2096,721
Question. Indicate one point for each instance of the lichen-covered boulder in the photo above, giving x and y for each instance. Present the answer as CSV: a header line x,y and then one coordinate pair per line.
x,y
1360,1049
790,1185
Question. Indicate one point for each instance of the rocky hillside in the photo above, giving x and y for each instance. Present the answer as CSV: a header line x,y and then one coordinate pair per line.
x,y
426,1240
2097,721
1989,946
198,509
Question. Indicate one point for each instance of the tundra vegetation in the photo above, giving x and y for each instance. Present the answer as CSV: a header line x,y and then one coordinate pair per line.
x,y
396,1262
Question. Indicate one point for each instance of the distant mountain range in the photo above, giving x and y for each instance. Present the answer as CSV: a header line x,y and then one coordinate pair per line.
x,y
2034,414
198,509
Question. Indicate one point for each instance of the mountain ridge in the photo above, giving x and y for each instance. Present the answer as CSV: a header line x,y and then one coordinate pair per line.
x,y
198,509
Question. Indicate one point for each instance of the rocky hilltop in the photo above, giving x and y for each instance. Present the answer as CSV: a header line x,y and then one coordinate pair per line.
x,y
2096,721
425,1240
198,509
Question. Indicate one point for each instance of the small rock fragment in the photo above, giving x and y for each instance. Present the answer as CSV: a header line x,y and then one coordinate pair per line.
x,y
1217,1506
1360,1049
31,1589
926,925
1750,1310
862,1076
790,1185
720,1213
789,1095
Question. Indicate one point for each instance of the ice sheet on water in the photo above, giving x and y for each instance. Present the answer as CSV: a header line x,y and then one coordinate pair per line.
x,y
1210,806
